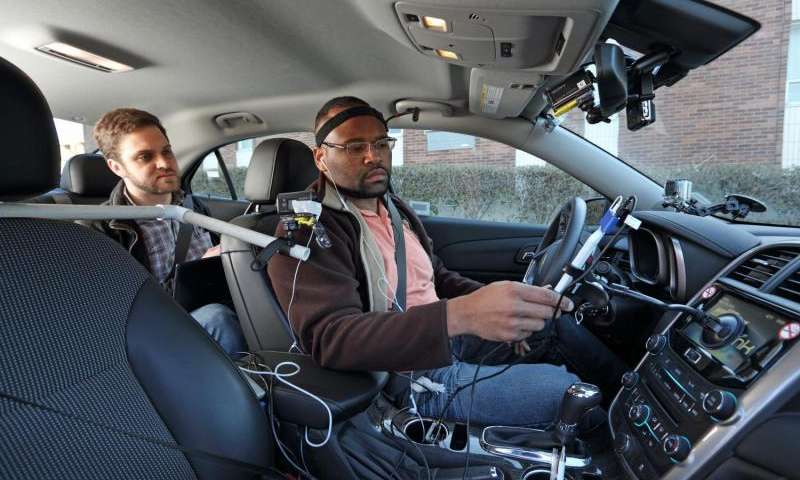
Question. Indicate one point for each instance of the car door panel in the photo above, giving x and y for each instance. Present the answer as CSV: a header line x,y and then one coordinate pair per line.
x,y
484,251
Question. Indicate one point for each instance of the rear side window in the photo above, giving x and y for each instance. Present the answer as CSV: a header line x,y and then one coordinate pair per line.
x,y
73,138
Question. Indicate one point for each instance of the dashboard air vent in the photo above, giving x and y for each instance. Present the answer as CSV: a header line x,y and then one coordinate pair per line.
x,y
790,287
759,268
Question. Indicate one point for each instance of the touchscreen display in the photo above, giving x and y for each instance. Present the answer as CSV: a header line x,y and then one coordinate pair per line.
x,y
761,327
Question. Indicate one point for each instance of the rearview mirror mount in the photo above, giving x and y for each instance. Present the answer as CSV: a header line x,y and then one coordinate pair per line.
x,y
612,82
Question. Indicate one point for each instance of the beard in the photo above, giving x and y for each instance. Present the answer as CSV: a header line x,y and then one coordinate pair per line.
x,y
157,186
368,191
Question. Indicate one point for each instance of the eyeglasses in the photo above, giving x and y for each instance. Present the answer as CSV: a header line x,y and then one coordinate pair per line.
x,y
359,149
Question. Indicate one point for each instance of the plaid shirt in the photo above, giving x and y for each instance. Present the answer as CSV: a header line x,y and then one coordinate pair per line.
x,y
160,239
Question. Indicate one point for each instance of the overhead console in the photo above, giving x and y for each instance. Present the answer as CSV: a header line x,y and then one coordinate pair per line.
x,y
544,36
704,386
511,46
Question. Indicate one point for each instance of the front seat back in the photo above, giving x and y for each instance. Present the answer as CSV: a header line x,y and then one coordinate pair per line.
x,y
103,374
87,179
278,165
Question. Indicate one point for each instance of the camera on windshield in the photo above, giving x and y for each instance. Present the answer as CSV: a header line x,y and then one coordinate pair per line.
x,y
621,83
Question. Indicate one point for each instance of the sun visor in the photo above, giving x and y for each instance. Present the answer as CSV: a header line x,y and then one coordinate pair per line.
x,y
545,37
501,93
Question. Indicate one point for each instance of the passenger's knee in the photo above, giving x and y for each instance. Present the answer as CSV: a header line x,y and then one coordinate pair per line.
x,y
214,316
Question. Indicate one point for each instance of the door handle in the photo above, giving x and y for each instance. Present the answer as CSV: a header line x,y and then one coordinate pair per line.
x,y
526,254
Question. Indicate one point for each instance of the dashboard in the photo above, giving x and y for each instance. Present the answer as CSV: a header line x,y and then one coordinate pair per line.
x,y
713,399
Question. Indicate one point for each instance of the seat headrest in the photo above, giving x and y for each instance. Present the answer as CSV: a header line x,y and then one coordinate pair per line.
x,y
88,174
31,158
278,165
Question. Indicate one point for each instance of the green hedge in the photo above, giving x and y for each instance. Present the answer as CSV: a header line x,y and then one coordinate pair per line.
x,y
509,194
530,194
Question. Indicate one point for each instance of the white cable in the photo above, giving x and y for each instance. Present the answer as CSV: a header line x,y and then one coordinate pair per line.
x,y
291,298
416,410
384,280
281,377
281,446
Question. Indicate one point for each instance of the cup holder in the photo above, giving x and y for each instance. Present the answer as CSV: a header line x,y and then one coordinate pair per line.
x,y
415,429
541,474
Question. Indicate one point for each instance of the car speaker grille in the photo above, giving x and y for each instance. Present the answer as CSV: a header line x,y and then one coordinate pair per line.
x,y
762,266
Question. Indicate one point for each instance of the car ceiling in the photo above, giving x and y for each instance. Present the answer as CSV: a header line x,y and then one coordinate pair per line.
x,y
211,56
281,60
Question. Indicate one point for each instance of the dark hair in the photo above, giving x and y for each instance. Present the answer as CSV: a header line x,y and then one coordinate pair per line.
x,y
118,122
338,102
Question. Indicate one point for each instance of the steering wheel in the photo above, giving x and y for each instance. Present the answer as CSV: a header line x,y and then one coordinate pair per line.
x,y
559,245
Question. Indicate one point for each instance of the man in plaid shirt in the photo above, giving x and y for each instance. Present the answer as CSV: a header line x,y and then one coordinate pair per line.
x,y
137,149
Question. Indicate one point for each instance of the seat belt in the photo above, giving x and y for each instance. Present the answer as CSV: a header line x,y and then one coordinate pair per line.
x,y
399,252
182,242
184,236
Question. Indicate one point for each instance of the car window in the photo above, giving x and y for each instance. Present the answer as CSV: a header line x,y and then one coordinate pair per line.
x,y
73,138
455,175
222,171
209,179
438,173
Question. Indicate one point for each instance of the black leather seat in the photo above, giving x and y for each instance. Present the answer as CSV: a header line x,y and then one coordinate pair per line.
x,y
278,165
103,374
85,180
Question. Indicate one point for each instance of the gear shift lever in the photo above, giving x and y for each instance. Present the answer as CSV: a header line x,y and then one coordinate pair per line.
x,y
578,399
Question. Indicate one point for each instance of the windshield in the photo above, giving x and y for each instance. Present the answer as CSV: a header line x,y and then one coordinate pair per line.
x,y
732,126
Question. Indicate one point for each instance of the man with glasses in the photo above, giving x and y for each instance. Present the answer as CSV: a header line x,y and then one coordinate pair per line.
x,y
343,303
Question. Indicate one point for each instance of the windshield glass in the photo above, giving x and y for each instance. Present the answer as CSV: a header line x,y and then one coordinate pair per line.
x,y
732,126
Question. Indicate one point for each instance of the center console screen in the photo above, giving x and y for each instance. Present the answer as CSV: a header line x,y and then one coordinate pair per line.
x,y
761,332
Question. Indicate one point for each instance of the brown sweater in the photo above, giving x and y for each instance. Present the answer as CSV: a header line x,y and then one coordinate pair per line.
x,y
338,313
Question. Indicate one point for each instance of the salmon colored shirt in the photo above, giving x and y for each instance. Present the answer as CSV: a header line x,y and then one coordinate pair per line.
x,y
420,289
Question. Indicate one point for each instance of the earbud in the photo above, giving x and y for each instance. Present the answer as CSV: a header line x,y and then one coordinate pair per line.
x,y
329,171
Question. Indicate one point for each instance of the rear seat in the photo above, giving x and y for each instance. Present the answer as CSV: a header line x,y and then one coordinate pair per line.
x,y
85,180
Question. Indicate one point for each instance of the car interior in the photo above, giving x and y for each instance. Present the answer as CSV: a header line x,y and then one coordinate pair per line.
x,y
105,375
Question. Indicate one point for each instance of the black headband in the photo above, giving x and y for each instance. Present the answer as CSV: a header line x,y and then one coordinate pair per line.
x,y
344,116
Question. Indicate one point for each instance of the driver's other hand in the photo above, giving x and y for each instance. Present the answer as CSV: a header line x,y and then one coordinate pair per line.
x,y
504,311
213,251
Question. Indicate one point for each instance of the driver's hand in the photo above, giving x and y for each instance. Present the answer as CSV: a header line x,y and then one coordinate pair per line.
x,y
503,311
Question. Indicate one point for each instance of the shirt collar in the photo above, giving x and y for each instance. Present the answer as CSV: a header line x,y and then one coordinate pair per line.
x,y
380,213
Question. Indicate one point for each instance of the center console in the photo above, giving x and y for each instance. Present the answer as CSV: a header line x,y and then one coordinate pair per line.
x,y
687,391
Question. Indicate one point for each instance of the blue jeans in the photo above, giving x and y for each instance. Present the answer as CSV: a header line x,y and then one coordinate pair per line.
x,y
223,325
528,394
